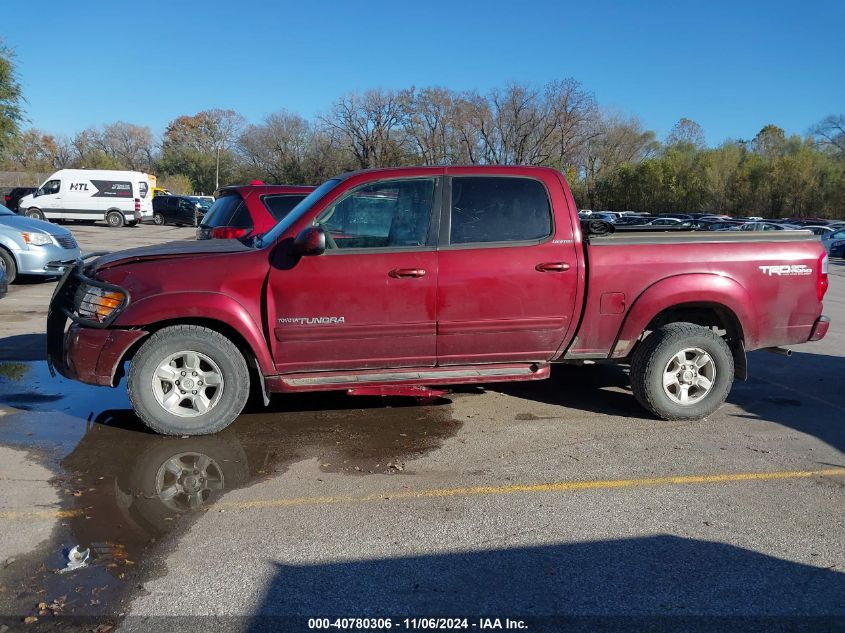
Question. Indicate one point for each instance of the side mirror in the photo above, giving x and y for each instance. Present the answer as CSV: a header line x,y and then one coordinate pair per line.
x,y
310,241
35,193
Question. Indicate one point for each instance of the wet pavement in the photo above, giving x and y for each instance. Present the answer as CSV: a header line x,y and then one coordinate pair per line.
x,y
125,491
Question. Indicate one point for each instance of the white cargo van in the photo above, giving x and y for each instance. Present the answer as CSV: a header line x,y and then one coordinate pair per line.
x,y
118,197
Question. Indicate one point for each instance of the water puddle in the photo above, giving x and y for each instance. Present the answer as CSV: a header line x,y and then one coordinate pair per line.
x,y
126,492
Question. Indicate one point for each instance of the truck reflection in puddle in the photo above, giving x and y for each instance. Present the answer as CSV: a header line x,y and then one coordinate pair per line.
x,y
123,488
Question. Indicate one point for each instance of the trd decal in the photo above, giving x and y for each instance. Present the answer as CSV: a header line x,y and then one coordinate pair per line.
x,y
787,270
334,320
112,189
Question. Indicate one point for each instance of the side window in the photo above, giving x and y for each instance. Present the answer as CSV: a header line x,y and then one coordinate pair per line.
x,y
143,189
279,206
51,186
388,214
493,209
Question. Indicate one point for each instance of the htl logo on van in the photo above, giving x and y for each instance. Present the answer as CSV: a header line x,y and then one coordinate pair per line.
x,y
79,186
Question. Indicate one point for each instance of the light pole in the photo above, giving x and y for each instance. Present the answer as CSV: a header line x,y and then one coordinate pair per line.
x,y
217,171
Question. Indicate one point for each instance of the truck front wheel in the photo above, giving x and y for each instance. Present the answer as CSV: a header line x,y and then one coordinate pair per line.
x,y
188,380
682,371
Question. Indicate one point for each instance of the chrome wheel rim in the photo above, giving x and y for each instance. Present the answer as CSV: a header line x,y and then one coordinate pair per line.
x,y
187,384
187,480
689,376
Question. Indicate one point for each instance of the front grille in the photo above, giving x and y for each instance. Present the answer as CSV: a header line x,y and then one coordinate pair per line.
x,y
66,241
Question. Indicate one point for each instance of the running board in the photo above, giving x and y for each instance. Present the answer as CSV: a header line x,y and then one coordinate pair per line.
x,y
454,375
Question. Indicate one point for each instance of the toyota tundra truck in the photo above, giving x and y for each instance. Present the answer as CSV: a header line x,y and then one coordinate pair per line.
x,y
394,281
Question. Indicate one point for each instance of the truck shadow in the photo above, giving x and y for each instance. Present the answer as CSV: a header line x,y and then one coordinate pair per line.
x,y
655,583
802,392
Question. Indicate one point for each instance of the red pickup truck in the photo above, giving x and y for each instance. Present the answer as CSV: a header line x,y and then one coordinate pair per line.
x,y
394,280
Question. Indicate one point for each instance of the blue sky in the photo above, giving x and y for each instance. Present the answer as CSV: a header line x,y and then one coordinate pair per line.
x,y
731,66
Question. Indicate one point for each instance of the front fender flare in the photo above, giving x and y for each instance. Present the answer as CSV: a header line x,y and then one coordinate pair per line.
x,y
213,306
707,288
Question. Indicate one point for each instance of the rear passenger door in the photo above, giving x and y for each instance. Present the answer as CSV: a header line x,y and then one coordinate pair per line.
x,y
507,273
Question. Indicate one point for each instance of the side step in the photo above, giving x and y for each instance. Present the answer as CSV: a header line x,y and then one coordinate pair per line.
x,y
453,375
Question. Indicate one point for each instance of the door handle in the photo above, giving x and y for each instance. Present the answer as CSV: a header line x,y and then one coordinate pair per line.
x,y
398,273
552,267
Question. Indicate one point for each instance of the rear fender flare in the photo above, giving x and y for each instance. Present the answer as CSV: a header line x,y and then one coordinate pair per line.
x,y
173,307
709,288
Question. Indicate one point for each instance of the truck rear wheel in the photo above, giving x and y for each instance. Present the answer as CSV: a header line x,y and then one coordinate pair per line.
x,y
682,371
188,380
115,219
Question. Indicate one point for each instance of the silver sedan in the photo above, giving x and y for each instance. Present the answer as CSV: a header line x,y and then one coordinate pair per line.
x,y
34,247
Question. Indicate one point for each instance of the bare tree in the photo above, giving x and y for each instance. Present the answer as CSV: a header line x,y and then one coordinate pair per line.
x,y
830,133
277,147
686,132
130,145
428,123
369,126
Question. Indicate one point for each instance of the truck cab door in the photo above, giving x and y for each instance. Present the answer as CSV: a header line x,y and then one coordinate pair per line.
x,y
369,300
508,272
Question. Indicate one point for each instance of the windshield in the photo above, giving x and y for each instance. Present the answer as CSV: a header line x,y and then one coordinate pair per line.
x,y
298,211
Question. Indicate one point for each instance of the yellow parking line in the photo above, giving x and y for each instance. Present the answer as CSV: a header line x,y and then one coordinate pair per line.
x,y
561,486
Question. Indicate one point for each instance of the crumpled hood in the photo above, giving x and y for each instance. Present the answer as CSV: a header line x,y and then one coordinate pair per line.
x,y
23,223
169,250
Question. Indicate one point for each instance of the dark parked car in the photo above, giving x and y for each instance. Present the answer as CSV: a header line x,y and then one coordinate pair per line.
x,y
14,197
247,210
179,210
4,285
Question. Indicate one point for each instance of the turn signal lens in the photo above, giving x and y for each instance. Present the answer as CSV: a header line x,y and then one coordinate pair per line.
x,y
98,304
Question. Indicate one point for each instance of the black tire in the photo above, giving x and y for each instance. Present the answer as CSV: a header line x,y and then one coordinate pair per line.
x,y
35,214
115,219
190,338
7,263
158,219
653,357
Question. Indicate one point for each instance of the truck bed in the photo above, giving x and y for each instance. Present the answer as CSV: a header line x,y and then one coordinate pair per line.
x,y
638,272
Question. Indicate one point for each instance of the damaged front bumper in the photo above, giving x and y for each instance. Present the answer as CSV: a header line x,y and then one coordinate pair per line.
x,y
88,351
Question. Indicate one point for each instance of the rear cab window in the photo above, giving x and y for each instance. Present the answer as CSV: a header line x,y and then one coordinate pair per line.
x,y
489,209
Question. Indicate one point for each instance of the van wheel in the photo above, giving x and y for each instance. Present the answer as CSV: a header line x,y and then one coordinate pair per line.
x,y
188,380
7,265
158,218
682,371
35,214
115,219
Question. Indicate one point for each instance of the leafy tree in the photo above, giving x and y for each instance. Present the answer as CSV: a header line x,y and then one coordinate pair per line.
x,y
11,99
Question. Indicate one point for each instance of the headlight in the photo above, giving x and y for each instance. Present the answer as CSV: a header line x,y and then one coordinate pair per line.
x,y
97,304
37,239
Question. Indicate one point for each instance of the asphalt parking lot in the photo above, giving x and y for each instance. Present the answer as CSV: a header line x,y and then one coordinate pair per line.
x,y
557,504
